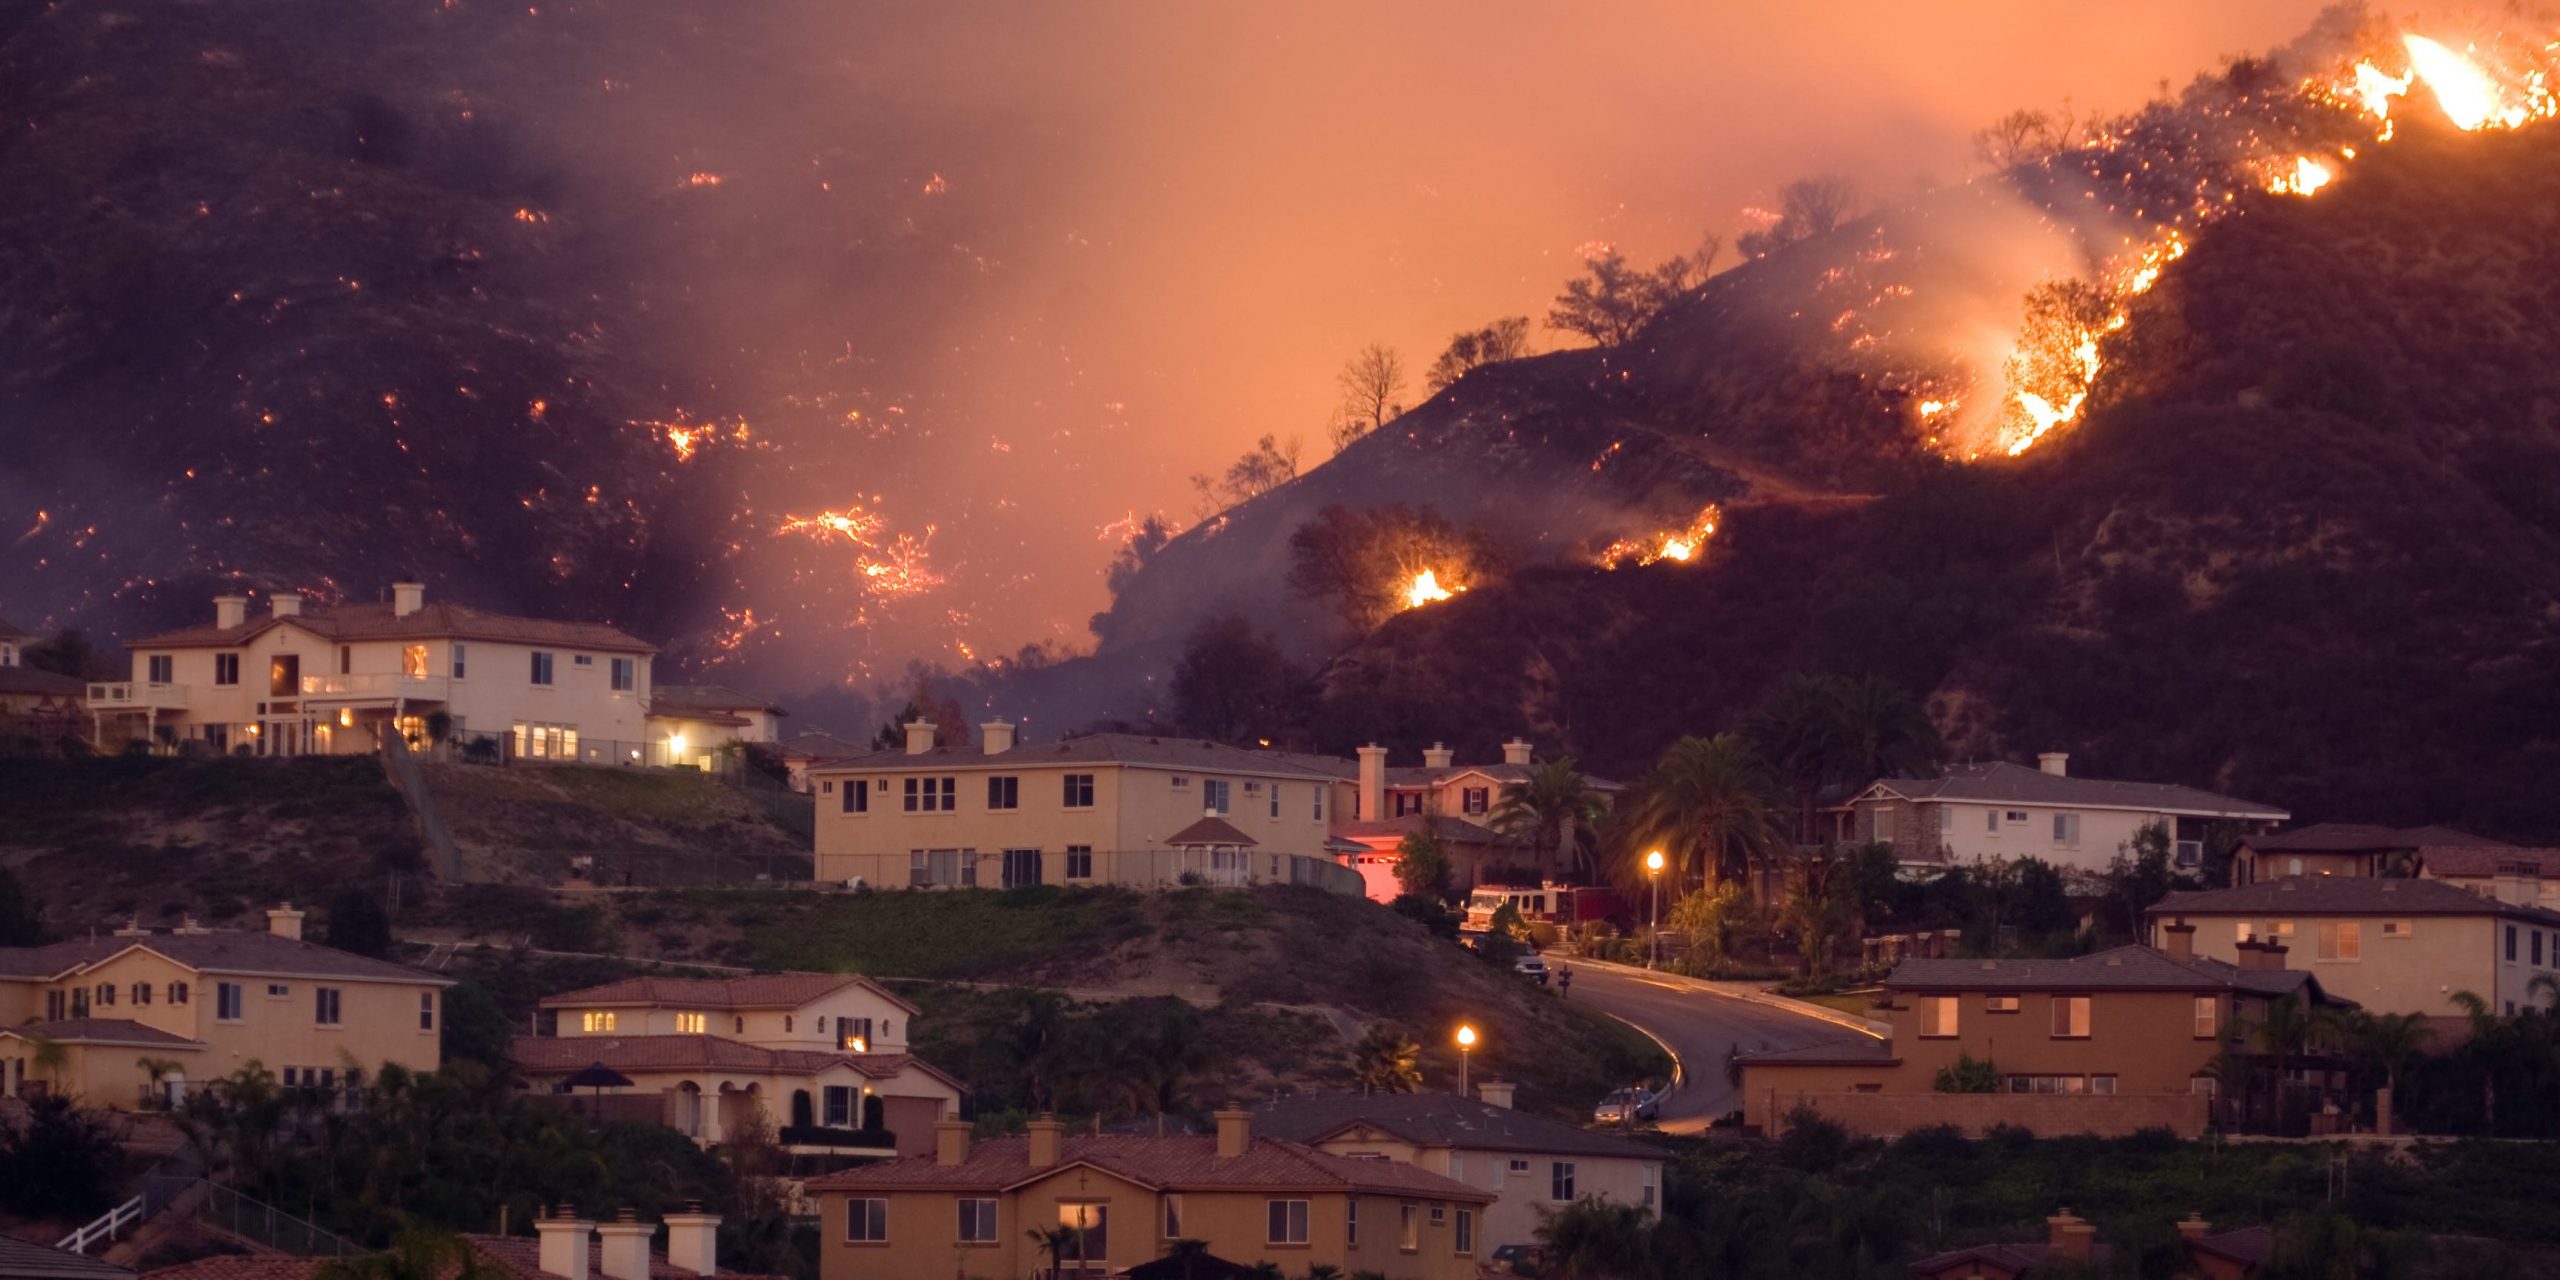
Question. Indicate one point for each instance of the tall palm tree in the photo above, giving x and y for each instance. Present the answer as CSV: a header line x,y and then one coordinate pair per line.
x,y
1387,1061
2387,1042
2490,1044
1801,730
2285,1031
1707,802
1886,733
1053,1243
1556,811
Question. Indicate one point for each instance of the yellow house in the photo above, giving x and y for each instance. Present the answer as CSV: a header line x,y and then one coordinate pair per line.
x,y
971,1208
204,1003
820,1056
322,681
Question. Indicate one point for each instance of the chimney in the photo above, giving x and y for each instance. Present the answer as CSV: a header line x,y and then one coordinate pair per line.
x,y
1496,1093
2193,1227
1373,782
285,604
1438,756
1235,1131
189,926
230,611
1516,751
995,737
134,930
2070,1237
284,922
407,598
919,736
2057,763
2179,940
2518,883
624,1254
2260,953
564,1243
951,1141
693,1241
1045,1136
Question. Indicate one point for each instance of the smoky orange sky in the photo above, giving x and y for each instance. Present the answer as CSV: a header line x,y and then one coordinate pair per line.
x,y
1183,217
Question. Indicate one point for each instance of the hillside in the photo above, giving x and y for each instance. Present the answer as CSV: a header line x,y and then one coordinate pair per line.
x,y
529,826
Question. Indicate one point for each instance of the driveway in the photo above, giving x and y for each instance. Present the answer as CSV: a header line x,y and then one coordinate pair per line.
x,y
1699,1025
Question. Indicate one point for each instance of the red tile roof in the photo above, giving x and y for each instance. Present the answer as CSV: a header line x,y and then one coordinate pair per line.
x,y
1184,1163
566,1055
212,951
2345,895
1209,831
348,622
2483,861
754,991
2358,837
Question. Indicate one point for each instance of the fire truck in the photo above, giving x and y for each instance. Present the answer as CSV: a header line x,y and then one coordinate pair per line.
x,y
1562,905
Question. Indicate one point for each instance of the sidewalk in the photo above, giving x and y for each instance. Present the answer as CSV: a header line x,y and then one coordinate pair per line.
x,y
1753,993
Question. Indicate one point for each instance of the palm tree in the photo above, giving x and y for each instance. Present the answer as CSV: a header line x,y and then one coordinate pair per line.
x,y
1820,908
1800,730
1053,1243
2387,1041
1886,733
1324,1271
2284,1031
157,1070
1173,1049
1190,1252
2487,1048
1708,803
1556,811
49,1057
1387,1061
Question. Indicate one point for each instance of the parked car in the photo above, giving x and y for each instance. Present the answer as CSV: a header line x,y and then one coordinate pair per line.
x,y
1531,967
1627,1106
1521,1259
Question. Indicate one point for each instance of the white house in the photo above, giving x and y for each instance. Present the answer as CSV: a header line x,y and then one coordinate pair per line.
x,y
1974,812
690,721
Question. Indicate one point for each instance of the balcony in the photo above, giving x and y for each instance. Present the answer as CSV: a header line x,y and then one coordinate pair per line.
x,y
136,695
376,687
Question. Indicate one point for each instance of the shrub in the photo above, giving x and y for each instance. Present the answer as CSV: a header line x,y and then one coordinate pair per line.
x,y
1967,1074
1813,1143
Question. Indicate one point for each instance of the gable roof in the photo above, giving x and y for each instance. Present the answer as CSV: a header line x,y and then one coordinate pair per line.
x,y
16,678
351,622
676,699
1848,1051
2482,861
1442,826
567,1055
33,1261
1500,774
788,990
1100,748
2346,895
1438,1120
1999,782
2128,968
818,744
2359,837
1209,831
212,951
1180,1163
121,1031
2250,1246
2012,1258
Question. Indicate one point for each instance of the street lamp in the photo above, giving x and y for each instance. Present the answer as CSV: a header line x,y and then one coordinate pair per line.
x,y
1653,875
1466,1046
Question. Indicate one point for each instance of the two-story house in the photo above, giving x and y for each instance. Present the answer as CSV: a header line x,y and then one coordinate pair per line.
x,y
336,680
690,722
33,703
978,1208
206,1003
1977,812
810,1051
2109,1043
1529,1164
1451,802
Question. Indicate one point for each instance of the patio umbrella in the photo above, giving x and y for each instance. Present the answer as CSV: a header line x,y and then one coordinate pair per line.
x,y
599,1077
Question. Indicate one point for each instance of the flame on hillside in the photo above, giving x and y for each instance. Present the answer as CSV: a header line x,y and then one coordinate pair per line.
x,y
1426,589
1681,546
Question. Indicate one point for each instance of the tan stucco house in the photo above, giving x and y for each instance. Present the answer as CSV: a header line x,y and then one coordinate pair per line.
x,y
2342,849
208,1003
821,1056
1528,1164
971,1208
690,723
1978,812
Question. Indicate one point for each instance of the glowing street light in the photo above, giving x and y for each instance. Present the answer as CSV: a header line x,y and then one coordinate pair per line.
x,y
1653,875
1466,1046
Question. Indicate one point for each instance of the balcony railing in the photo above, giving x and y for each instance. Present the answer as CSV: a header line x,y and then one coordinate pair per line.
x,y
137,693
375,685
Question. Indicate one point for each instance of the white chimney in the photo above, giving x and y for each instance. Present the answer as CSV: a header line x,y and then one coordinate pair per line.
x,y
230,611
1438,756
564,1243
995,737
624,1249
693,1242
285,604
407,598
284,922
1496,1093
2057,763
1373,782
1516,751
919,736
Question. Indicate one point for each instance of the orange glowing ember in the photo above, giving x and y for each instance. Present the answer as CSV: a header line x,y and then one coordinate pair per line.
x,y
702,180
1681,546
899,570
2306,177
853,524
1426,589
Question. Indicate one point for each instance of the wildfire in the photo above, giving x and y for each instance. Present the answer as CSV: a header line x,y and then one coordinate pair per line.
x,y
899,570
853,524
2305,178
1681,545
1426,589
688,437
702,180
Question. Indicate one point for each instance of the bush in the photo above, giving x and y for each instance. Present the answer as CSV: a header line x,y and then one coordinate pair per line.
x,y
60,1163
1428,912
1967,1075
1813,1144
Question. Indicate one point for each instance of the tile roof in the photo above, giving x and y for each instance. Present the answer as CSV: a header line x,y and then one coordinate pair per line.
x,y
1856,1051
2130,968
2002,782
348,622
1099,748
2480,861
30,1260
522,1255
788,990
672,699
1441,826
101,1030
818,744
567,1055
29,680
2251,1246
2358,837
2012,1258
518,1256
1210,831
2346,895
1185,1163
1440,1120
1501,774
212,951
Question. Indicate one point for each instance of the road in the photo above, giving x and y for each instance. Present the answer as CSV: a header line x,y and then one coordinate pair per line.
x,y
1699,1027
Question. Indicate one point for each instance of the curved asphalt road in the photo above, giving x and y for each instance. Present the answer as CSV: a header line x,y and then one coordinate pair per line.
x,y
1699,1026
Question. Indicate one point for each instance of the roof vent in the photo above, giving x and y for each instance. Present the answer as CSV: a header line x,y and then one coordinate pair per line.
x,y
1990,964
2115,962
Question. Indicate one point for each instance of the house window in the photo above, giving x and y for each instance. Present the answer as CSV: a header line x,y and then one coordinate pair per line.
x,y
932,795
837,1112
541,667
1991,820
1884,825
866,1221
458,663
142,990
1181,783
977,1222
1004,793
2000,1004
2511,943
1466,1238
324,1006
2066,828
739,1024
2395,928
1275,800
945,867
1289,1222
1475,799
2344,940
2208,1017
1937,1015
426,1011
594,1021
1079,791
857,795
226,668
2243,930
79,1002
1408,803
1021,867
1319,791
626,675
1409,1238
227,1001
1351,1222
161,666
853,1035
177,993
1173,1217
1213,794
1560,1181
106,993
2102,1084
413,661
2014,817
1651,1173
1079,862
1089,1225
2206,1086
583,660
786,1024
2293,866
2071,1017
53,1003
2537,948
691,1024
1439,1215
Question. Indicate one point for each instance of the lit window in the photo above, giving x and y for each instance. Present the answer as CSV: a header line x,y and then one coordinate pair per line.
x,y
2344,940
2071,1016
691,1024
413,661
1410,1237
2000,1004
2208,1016
596,1021
1937,1015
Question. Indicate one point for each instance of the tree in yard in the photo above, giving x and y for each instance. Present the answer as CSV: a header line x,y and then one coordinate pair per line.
x,y
1704,918
1818,731
1706,804
21,917
357,923
1171,1047
1504,339
1232,684
2139,875
475,1028
2386,1043
418,1253
1616,299
1596,1239
2285,1030
1267,466
1387,1061
2489,1049
1807,207
1372,384
58,1162
1422,866
1556,811
1820,908
1057,1244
